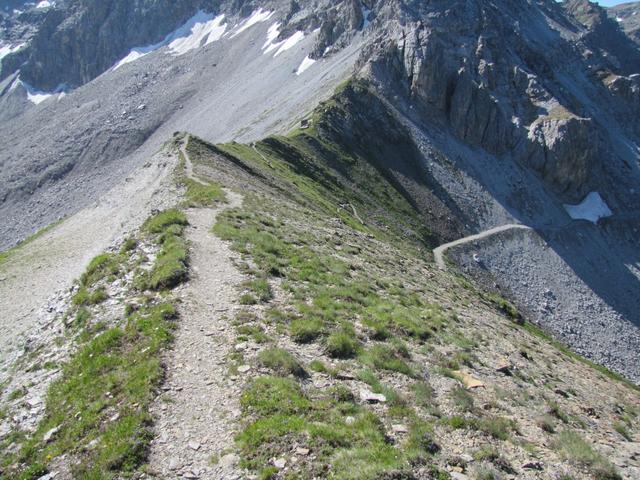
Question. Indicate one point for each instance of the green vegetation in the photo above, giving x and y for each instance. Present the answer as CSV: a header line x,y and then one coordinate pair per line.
x,y
575,449
335,236
496,427
201,195
306,330
338,431
384,358
557,412
462,399
622,429
97,412
163,221
260,290
503,305
102,266
281,361
103,397
16,394
256,332
341,345
170,268
129,245
84,297
318,366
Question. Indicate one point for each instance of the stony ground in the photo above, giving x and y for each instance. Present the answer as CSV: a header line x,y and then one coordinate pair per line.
x,y
36,288
34,278
195,413
309,346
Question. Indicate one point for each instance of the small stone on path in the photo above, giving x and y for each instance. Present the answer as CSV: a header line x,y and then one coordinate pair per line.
x,y
229,460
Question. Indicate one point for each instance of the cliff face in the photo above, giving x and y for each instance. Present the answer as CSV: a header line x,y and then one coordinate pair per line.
x,y
69,43
77,42
515,79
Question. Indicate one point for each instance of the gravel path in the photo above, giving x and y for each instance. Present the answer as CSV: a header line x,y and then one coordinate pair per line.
x,y
45,268
438,253
194,416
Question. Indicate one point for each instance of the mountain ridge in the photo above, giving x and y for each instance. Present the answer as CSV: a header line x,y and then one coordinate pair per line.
x,y
339,148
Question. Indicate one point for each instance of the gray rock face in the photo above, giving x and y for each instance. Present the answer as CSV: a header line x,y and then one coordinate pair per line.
x,y
564,150
505,79
74,41
604,34
78,41
338,26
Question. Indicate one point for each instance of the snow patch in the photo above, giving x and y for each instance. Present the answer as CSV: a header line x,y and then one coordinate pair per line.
x,y
289,42
592,208
283,45
201,29
272,34
257,16
137,53
7,49
34,95
270,45
306,63
45,4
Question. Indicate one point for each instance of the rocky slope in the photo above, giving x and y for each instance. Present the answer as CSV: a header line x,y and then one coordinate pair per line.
x,y
370,133
628,15
340,349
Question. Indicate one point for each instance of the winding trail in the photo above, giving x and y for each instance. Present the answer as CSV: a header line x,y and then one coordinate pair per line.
x,y
438,253
188,165
40,273
194,415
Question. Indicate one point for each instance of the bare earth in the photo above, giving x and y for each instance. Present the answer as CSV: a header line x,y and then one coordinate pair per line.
x,y
438,253
43,268
194,416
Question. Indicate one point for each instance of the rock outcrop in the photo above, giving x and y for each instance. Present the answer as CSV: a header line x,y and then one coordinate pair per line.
x,y
508,87
564,149
76,42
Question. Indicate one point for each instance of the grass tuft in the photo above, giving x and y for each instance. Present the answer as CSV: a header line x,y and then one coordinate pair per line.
x,y
281,361
306,330
575,449
341,344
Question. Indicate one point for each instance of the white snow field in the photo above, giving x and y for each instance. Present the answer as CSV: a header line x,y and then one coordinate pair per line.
x,y
592,208
201,29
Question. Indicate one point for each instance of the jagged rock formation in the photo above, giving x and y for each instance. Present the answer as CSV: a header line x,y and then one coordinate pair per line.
x,y
506,99
71,42
76,43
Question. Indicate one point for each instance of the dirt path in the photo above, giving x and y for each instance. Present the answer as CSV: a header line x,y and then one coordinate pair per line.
x,y
194,416
38,272
438,253
188,165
